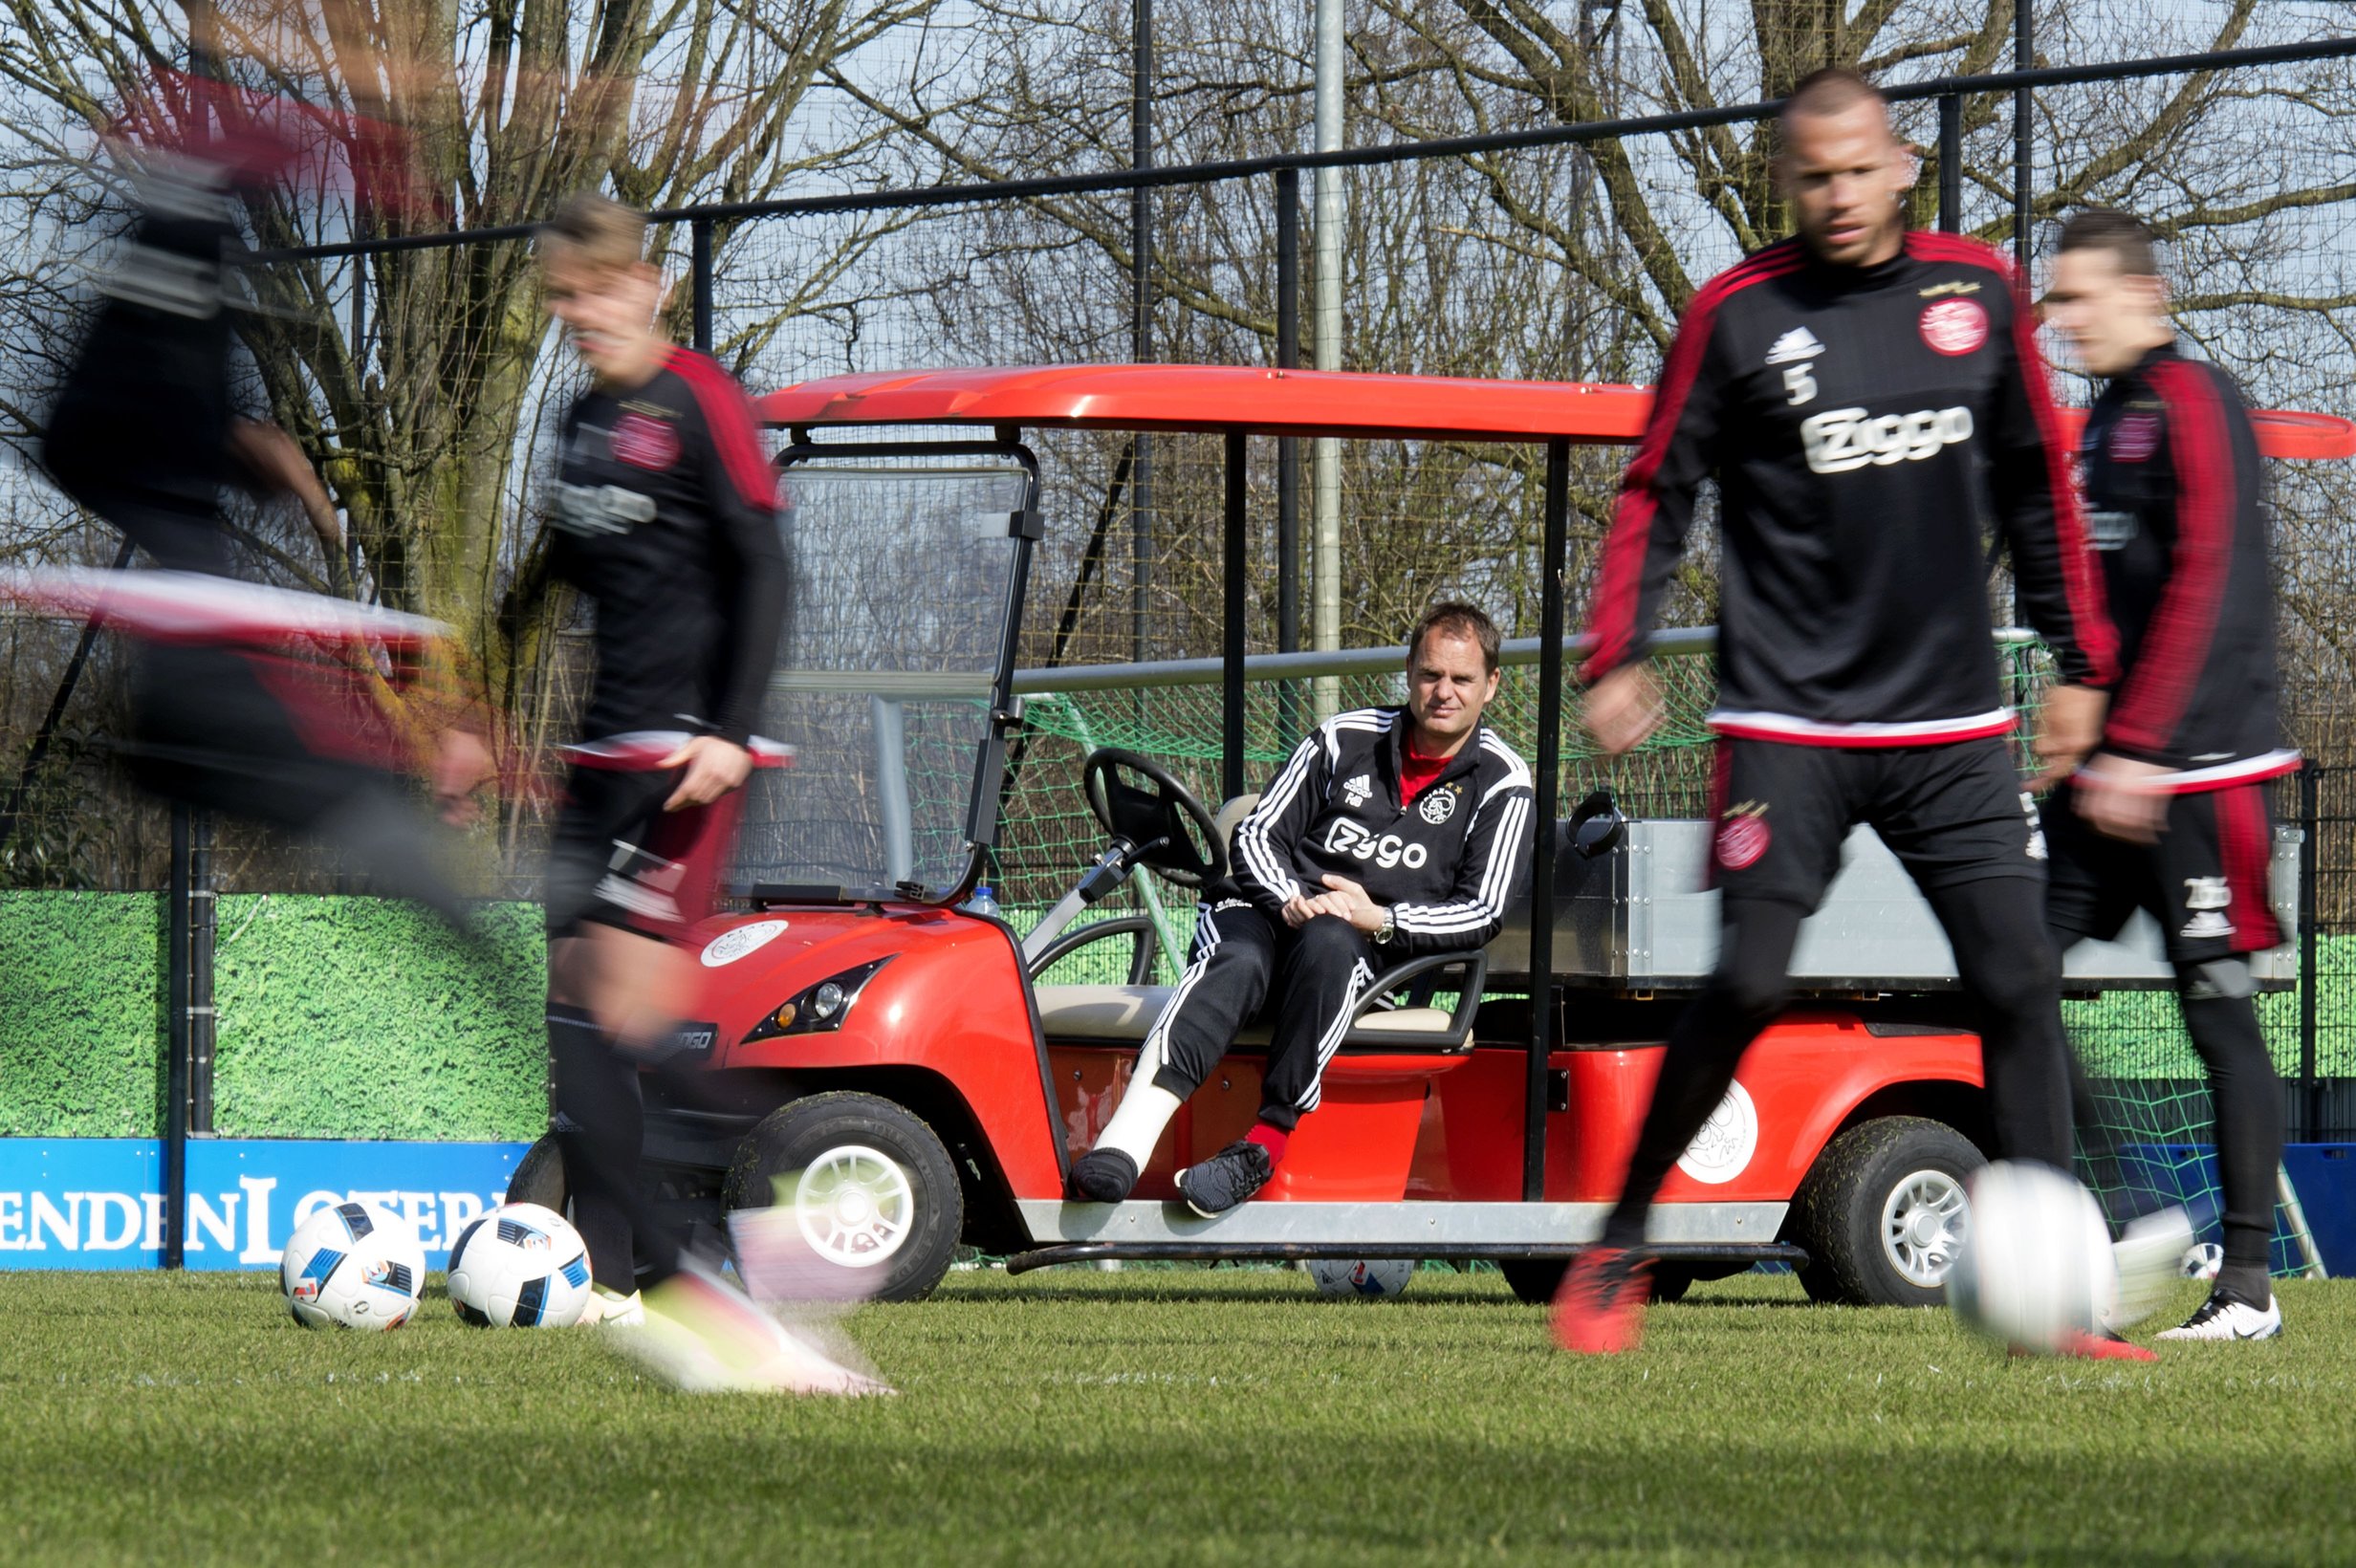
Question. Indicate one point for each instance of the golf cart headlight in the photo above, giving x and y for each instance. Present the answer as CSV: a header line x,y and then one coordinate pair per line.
x,y
820,1008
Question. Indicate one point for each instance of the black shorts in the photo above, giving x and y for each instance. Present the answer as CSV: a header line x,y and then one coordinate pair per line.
x,y
619,858
1952,814
2205,882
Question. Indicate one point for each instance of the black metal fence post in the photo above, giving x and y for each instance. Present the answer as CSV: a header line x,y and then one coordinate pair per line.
x,y
699,269
2024,55
175,1172
1288,450
2310,857
1950,164
1141,316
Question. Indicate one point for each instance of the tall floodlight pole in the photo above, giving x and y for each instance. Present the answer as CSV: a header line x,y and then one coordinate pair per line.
x,y
1325,347
1141,320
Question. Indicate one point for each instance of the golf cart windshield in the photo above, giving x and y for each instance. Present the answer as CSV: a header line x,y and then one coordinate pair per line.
x,y
907,572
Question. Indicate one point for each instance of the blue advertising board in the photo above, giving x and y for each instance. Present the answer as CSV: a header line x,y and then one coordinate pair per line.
x,y
98,1203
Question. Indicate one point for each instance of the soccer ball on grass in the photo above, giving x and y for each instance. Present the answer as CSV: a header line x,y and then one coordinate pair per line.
x,y
519,1266
354,1266
1363,1277
2036,1266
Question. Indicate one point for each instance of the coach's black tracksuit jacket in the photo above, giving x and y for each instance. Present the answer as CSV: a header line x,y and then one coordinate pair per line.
x,y
1863,423
1447,866
2170,466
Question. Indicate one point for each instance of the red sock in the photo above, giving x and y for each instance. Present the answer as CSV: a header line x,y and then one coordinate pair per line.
x,y
1271,1139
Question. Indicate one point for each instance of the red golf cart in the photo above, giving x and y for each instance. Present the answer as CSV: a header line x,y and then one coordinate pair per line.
x,y
864,1030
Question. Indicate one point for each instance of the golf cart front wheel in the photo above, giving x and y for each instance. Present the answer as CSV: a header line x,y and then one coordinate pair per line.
x,y
869,1186
1883,1213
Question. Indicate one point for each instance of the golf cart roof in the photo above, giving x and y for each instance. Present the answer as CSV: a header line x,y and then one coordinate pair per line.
x,y
1221,397
1310,402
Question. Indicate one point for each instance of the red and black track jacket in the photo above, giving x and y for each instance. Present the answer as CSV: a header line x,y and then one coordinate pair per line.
x,y
2170,466
666,515
1861,422
1448,867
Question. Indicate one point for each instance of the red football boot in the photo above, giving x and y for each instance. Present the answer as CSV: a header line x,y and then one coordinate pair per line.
x,y
1599,1307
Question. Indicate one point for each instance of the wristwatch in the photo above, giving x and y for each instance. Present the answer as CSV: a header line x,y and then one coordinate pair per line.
x,y
1384,932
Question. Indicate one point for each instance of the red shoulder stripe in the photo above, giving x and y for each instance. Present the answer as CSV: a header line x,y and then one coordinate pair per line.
x,y
1929,244
1612,616
2169,665
727,414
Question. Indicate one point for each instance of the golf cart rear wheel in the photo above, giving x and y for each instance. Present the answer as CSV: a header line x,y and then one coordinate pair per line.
x,y
539,1176
867,1182
1883,1213
1536,1280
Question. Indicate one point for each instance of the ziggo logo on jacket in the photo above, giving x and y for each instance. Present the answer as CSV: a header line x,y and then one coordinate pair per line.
x,y
1347,837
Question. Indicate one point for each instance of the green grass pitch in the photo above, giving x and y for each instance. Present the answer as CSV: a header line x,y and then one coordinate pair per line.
x,y
1170,1415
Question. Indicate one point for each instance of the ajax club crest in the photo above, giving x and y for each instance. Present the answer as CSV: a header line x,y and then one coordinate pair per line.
x,y
1437,807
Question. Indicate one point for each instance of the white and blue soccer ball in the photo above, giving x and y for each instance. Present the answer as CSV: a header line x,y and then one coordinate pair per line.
x,y
1364,1277
2202,1260
354,1266
519,1266
2036,1265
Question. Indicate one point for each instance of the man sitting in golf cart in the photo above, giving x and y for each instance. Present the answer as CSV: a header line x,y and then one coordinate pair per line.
x,y
1391,832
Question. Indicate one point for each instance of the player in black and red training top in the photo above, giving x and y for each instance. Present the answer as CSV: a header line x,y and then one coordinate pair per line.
x,y
145,433
665,515
1866,395
2171,814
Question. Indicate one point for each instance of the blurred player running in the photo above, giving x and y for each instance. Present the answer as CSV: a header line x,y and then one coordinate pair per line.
x,y
143,435
664,517
2171,813
1866,395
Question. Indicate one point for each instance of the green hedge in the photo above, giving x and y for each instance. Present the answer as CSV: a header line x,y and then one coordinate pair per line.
x,y
81,1019
352,1018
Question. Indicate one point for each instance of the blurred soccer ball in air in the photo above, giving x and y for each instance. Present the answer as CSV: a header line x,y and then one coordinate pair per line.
x,y
2036,1266
353,1266
2203,1260
1369,1277
519,1266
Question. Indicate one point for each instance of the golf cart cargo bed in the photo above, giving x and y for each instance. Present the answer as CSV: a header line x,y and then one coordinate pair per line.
x,y
1641,920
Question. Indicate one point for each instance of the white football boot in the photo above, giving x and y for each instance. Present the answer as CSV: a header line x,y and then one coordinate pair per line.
x,y
702,1335
611,1309
2149,1253
2224,1318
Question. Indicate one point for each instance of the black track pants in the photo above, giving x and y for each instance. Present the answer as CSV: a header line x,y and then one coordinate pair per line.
x,y
2007,965
601,1132
1241,958
2247,1097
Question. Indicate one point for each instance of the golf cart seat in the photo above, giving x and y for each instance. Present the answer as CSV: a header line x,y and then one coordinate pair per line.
x,y
1125,1015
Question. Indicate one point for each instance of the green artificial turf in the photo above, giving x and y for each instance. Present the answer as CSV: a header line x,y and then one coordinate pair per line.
x,y
1172,1415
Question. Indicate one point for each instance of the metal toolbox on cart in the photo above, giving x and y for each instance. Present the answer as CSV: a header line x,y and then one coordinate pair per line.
x,y
1641,919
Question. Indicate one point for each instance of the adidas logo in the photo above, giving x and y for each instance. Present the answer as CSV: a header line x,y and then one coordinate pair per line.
x,y
1797,344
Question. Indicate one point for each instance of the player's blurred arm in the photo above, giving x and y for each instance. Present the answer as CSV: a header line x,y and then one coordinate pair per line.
x,y
1649,523
740,487
2055,578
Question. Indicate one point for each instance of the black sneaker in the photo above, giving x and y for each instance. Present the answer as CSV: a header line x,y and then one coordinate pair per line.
x,y
1101,1176
1216,1184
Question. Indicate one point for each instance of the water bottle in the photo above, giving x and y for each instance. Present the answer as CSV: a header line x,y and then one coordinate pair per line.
x,y
982,903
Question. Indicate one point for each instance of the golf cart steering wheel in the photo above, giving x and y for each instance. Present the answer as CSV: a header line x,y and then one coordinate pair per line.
x,y
1164,827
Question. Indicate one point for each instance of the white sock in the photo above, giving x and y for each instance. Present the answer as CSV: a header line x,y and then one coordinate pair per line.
x,y
1137,1126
